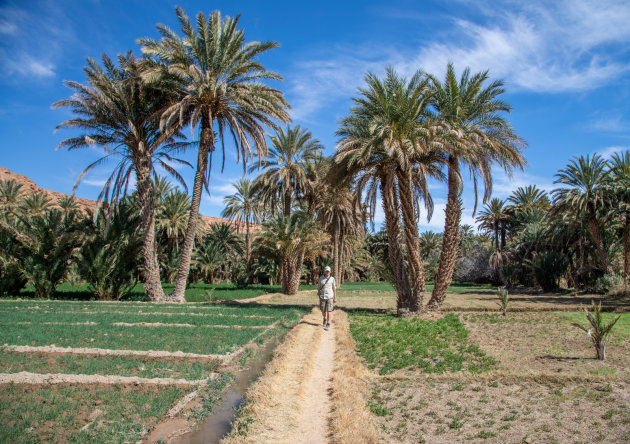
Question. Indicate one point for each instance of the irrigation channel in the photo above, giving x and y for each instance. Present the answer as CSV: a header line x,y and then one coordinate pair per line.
x,y
219,424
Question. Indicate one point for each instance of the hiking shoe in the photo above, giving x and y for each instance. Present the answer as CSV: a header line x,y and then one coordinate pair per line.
x,y
324,323
327,324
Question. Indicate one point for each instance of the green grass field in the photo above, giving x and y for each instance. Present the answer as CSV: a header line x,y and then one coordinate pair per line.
x,y
120,413
388,344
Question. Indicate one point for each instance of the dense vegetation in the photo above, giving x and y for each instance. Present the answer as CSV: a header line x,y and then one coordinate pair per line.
x,y
312,210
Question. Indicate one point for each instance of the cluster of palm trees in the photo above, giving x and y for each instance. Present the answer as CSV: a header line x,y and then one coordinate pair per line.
x,y
399,134
581,232
46,242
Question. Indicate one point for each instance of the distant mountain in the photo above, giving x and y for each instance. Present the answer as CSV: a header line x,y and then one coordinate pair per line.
x,y
29,187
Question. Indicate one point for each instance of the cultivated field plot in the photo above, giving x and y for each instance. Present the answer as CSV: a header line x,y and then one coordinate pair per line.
x,y
483,377
111,371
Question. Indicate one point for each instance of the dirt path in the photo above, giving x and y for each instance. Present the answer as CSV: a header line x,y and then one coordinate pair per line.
x,y
314,423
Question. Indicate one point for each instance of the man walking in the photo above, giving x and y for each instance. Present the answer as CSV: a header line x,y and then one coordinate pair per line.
x,y
327,292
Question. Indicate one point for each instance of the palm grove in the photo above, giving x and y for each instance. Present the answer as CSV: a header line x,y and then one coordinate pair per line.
x,y
304,210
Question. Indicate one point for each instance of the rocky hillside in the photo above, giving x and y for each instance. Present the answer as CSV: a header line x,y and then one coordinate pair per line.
x,y
28,186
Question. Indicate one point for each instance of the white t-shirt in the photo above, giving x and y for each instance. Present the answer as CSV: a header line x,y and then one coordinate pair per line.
x,y
326,287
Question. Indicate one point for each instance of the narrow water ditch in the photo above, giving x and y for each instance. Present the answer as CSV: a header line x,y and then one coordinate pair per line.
x,y
219,424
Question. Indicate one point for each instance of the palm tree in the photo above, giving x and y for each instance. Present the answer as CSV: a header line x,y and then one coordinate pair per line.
x,y
341,216
396,112
221,91
172,216
586,179
244,207
369,166
35,204
120,112
10,196
493,218
474,134
287,240
620,181
208,259
286,168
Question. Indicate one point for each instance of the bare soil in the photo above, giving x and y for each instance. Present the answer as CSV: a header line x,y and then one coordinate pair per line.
x,y
104,352
417,410
60,378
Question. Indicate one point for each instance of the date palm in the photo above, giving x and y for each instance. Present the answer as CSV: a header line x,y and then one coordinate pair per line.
x,y
221,92
172,216
288,239
360,160
620,184
10,196
396,110
585,180
119,112
244,207
493,218
286,167
342,217
35,204
474,135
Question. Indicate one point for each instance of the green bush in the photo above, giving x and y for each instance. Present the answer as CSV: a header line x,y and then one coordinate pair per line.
x,y
608,283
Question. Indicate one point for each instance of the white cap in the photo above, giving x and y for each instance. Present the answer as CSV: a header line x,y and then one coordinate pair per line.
x,y
327,268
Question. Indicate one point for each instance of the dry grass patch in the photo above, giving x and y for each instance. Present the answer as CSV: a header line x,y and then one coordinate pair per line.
x,y
530,343
352,421
274,402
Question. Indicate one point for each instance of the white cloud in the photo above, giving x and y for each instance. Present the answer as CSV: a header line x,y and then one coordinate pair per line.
x,y
33,39
607,152
503,184
572,45
94,182
610,123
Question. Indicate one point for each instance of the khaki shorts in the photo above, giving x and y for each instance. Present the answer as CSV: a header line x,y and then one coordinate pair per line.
x,y
326,305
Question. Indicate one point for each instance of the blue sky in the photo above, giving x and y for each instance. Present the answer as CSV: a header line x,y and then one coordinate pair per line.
x,y
566,66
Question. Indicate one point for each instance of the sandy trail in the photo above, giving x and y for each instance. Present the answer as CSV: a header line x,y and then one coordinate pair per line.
x,y
314,423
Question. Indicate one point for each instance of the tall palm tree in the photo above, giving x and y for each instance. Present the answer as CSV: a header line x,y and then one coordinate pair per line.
x,y
120,112
341,216
474,134
172,216
396,110
620,181
585,179
221,91
373,171
243,207
286,167
35,204
493,218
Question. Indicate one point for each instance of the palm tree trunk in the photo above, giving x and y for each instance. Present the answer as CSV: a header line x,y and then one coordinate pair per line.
x,y
412,241
599,241
248,248
151,272
450,242
293,280
335,253
626,251
287,202
392,226
205,144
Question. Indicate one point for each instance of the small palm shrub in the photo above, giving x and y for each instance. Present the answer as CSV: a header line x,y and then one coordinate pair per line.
x,y
548,268
109,256
46,247
608,283
598,331
12,279
504,300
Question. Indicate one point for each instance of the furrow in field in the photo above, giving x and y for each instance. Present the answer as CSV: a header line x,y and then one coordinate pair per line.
x,y
159,313
61,378
103,351
160,324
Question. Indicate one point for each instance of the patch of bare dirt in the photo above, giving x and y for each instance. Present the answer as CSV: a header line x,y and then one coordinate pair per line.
x,y
105,352
60,378
440,412
529,343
